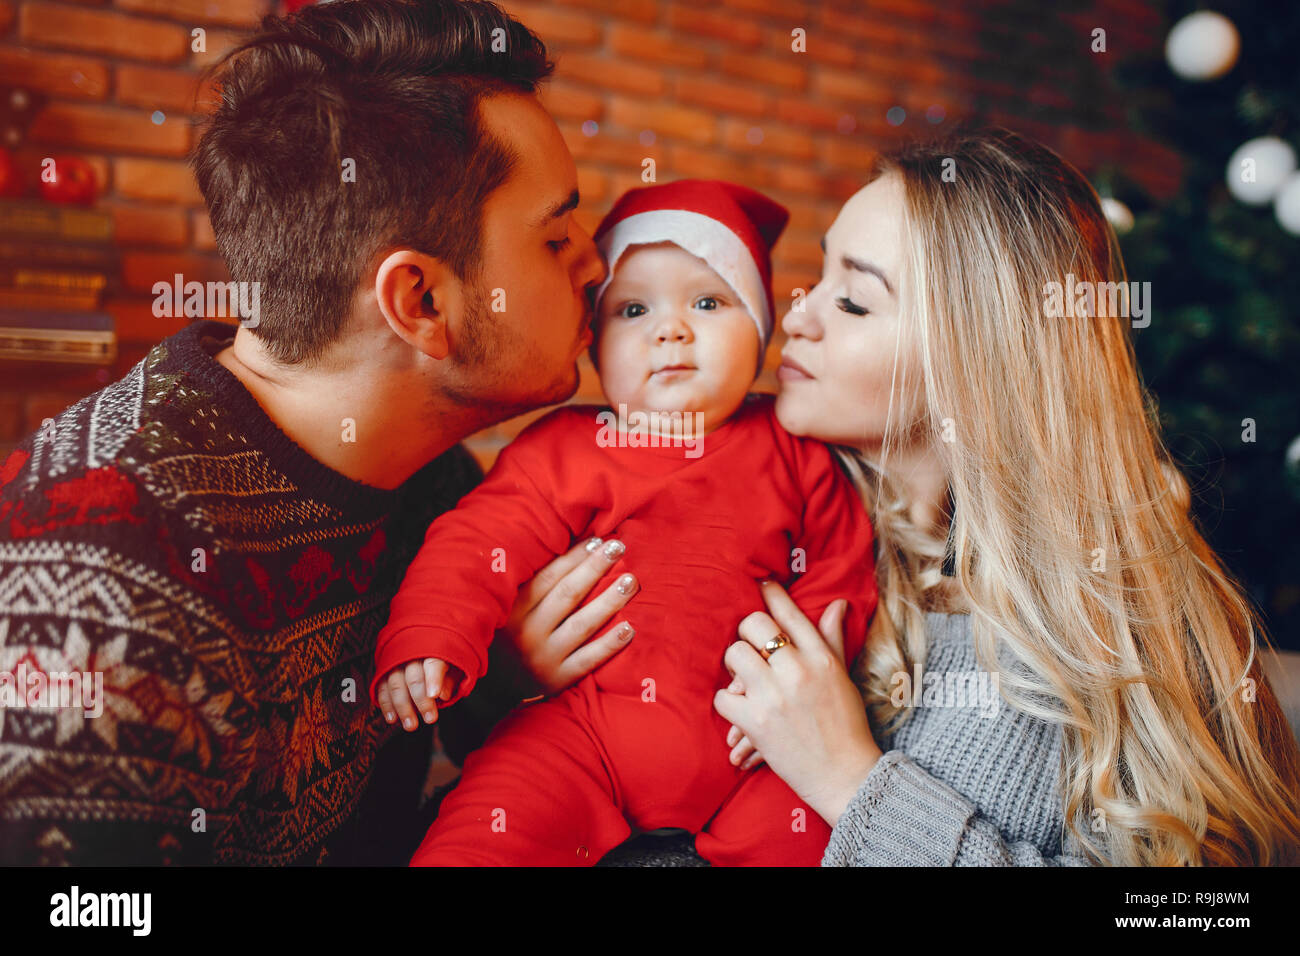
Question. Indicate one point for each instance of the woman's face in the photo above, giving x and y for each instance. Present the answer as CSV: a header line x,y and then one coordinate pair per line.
x,y
837,366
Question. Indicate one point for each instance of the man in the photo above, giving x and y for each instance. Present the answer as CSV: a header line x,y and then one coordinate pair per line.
x,y
217,536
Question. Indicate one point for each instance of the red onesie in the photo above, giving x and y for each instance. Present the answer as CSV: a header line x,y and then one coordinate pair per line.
x,y
637,743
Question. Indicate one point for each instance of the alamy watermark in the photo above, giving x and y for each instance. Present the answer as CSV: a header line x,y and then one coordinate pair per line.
x,y
640,429
976,690
208,300
31,687
1085,299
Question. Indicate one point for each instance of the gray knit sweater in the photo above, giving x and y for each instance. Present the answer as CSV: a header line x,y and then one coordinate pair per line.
x,y
956,786
966,781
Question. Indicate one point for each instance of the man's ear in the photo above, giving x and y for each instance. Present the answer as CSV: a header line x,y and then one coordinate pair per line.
x,y
420,298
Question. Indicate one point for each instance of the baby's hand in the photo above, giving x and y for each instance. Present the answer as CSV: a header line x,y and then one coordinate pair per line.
x,y
406,689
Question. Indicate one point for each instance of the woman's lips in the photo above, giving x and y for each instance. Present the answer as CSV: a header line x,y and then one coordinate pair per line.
x,y
791,371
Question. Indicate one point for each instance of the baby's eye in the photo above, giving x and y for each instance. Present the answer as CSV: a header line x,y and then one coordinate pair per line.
x,y
707,302
628,312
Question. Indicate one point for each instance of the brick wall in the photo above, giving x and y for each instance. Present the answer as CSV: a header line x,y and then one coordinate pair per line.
x,y
712,92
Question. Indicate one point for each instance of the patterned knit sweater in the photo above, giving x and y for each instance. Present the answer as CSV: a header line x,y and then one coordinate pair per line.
x,y
164,535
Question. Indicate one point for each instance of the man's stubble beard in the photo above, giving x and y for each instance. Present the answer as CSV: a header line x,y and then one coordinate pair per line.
x,y
487,352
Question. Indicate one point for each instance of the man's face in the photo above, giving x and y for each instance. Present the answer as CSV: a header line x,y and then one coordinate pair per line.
x,y
537,264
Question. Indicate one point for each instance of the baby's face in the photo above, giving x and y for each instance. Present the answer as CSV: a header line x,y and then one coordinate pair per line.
x,y
673,336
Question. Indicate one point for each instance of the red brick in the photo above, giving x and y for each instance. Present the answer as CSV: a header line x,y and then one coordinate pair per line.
x,y
43,405
690,162
808,215
797,177
161,89
788,71
794,11
557,26
135,321
156,180
140,270
569,101
216,43
604,147
801,249
592,185
13,421
778,139
854,86
655,46
101,31
643,11
723,96
30,158
610,74
848,153
150,225
804,112
664,120
101,127
694,20
204,238
55,74
232,12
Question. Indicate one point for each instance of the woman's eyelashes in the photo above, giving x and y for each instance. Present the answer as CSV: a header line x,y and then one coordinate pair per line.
x,y
558,244
851,307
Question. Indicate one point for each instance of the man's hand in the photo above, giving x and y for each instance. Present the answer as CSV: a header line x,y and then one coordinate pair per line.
x,y
406,691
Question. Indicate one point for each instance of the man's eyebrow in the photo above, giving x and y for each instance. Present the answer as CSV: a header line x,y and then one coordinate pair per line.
x,y
859,266
559,209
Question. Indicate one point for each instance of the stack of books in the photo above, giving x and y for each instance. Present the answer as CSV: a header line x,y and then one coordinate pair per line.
x,y
56,265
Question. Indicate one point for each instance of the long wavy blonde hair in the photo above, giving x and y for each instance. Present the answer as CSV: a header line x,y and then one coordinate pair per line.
x,y
1071,531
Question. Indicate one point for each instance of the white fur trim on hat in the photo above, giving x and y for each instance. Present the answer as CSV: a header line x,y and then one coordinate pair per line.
x,y
701,236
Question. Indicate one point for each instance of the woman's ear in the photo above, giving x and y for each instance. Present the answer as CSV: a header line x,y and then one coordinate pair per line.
x,y
419,297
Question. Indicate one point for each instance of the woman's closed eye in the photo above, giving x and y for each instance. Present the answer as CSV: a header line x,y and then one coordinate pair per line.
x,y
558,244
851,307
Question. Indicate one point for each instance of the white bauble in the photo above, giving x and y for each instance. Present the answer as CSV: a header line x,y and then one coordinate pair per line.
x,y
1202,46
1118,215
1273,161
1287,205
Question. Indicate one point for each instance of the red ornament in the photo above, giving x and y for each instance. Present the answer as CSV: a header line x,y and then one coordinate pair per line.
x,y
70,181
11,180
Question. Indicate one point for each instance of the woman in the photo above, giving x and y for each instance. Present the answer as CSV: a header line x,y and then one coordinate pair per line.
x,y
1033,537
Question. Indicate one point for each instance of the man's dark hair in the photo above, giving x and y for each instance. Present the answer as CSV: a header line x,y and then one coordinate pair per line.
x,y
393,85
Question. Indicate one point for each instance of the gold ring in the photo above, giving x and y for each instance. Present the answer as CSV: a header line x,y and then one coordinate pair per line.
x,y
775,644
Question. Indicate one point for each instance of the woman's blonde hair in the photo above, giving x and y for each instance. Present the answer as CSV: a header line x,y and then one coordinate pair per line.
x,y
1071,535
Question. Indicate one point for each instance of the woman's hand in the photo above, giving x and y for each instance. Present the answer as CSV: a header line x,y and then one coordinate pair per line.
x,y
548,636
799,707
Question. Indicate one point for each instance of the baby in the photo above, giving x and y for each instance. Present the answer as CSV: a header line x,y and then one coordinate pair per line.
x,y
710,497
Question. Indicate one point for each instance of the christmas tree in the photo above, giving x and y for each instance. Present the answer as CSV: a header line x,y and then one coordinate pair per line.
x,y
1222,352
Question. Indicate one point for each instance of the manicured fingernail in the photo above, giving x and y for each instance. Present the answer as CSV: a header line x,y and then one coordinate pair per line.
x,y
408,723
390,717
625,584
625,632
428,716
614,550
592,545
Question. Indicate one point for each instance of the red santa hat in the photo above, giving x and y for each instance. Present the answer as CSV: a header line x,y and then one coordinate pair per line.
x,y
730,227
